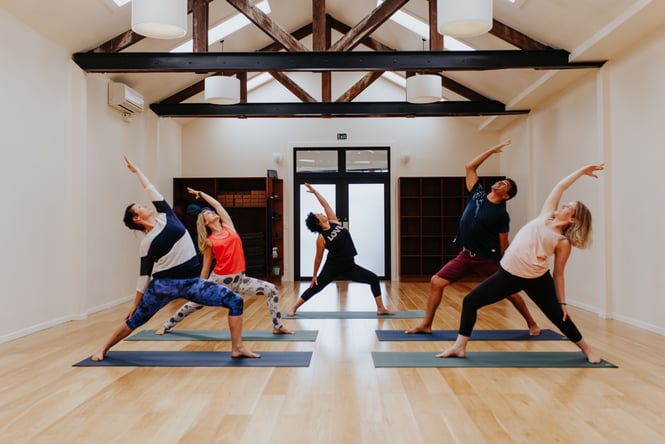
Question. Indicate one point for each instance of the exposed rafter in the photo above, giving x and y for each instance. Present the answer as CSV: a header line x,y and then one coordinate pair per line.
x,y
328,61
335,109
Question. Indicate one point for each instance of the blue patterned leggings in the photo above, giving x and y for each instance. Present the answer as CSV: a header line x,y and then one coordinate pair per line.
x,y
162,291
240,284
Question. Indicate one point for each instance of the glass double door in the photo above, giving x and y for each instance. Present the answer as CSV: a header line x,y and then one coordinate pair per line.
x,y
360,200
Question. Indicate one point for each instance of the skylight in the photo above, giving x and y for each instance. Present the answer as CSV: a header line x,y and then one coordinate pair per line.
x,y
421,28
224,29
258,80
394,78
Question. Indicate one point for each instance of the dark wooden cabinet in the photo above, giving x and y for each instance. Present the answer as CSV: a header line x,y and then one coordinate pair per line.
x,y
430,209
256,207
275,191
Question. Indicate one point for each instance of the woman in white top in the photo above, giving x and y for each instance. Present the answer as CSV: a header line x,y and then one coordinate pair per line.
x,y
524,266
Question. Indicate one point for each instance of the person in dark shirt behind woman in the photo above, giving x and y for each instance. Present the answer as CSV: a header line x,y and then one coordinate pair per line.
x,y
340,262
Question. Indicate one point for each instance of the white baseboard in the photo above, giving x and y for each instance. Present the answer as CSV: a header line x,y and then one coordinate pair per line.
x,y
53,322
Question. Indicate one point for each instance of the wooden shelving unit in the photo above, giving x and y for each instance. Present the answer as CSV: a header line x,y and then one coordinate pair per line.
x,y
430,209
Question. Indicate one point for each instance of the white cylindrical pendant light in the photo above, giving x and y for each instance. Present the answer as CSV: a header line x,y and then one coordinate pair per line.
x,y
160,19
222,90
423,88
464,18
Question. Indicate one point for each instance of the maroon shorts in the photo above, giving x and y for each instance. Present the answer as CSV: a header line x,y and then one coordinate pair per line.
x,y
464,264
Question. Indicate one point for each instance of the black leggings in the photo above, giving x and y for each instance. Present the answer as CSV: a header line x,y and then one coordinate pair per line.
x,y
352,272
501,285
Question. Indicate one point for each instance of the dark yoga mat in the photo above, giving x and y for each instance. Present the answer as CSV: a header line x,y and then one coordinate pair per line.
x,y
197,359
223,335
488,359
478,335
354,315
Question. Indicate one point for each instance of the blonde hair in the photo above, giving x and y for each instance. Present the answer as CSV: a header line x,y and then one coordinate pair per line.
x,y
203,232
579,231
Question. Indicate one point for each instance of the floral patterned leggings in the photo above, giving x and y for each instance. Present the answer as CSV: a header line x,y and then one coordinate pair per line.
x,y
238,283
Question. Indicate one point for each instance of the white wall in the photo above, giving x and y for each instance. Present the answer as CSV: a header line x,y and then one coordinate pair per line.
x,y
35,258
613,115
636,209
65,252
112,249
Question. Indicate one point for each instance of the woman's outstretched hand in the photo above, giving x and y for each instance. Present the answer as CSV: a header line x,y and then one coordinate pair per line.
x,y
130,165
591,169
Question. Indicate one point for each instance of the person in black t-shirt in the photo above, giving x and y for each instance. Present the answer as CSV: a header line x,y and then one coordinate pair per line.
x,y
340,263
483,236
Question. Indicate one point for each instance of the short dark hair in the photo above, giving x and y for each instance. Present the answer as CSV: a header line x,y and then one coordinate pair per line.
x,y
513,188
128,219
313,223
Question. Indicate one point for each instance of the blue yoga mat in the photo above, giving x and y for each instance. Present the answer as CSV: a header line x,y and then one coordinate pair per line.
x,y
488,359
222,335
354,315
197,359
478,335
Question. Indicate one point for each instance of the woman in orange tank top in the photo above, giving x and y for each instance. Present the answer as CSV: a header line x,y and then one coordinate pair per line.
x,y
218,238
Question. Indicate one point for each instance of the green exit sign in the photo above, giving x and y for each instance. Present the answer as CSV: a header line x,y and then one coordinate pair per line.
x,y
341,136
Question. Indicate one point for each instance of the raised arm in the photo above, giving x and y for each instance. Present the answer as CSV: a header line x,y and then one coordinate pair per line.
x,y
473,164
214,203
330,214
145,183
552,201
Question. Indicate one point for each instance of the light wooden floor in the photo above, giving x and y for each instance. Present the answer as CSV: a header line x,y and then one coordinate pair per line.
x,y
341,397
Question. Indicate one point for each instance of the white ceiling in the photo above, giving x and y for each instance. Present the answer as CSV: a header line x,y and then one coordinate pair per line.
x,y
591,30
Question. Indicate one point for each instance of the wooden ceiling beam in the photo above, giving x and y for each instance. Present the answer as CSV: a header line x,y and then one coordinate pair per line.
x,y
292,86
462,90
359,86
435,39
367,41
335,109
200,14
328,61
367,25
515,38
267,25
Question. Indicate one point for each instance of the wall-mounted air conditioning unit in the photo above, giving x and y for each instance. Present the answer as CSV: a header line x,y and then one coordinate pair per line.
x,y
124,99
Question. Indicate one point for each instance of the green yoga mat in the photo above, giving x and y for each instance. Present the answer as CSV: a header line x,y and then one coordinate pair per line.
x,y
487,359
223,335
197,359
478,335
354,315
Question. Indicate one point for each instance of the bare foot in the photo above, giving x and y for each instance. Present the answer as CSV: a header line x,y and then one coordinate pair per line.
x,y
534,330
242,352
283,331
453,352
593,358
160,331
292,312
384,312
98,356
419,329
